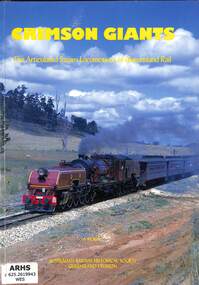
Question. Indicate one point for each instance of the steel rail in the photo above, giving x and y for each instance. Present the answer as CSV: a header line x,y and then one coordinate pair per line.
x,y
15,219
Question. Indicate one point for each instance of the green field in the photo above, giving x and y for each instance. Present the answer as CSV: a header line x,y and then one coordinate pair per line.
x,y
31,148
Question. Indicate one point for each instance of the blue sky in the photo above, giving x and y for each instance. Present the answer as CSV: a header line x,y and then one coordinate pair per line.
x,y
117,93
99,14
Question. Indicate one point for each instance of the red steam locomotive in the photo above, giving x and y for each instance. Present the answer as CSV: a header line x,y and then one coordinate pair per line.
x,y
77,182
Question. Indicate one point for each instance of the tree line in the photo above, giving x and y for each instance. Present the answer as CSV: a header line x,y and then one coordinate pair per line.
x,y
22,105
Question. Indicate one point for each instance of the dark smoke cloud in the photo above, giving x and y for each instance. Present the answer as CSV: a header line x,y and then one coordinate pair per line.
x,y
165,128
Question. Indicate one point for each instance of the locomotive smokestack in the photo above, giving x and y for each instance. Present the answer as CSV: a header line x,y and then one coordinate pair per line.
x,y
42,173
83,156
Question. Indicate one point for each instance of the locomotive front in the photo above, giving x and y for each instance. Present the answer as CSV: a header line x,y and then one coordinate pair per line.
x,y
49,188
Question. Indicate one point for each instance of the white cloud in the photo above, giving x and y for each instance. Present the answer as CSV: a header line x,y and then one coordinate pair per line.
x,y
95,96
37,48
11,84
112,108
94,52
196,61
191,99
186,84
31,71
75,107
106,107
108,98
182,46
122,74
163,104
118,74
107,114
145,70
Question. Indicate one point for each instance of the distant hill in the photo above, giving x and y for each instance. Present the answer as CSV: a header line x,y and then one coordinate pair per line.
x,y
29,136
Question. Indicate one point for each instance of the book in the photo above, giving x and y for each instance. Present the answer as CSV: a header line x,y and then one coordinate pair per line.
x,y
99,152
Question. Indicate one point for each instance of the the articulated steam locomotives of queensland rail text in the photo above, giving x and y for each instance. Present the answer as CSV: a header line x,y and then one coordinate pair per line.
x,y
77,182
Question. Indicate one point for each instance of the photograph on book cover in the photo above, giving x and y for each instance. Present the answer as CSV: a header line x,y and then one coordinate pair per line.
x,y
99,143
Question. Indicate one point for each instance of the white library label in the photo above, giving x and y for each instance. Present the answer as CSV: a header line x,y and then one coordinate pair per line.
x,y
19,273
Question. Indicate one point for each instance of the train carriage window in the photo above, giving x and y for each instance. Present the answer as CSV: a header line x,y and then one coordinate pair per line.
x,y
143,166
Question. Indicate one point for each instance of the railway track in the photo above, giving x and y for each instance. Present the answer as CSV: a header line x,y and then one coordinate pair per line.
x,y
15,219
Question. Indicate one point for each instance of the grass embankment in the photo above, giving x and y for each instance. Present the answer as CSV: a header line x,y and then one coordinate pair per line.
x,y
29,148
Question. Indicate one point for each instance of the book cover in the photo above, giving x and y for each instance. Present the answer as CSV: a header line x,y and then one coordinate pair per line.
x,y
99,150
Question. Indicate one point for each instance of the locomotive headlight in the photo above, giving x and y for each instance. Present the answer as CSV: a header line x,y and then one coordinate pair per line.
x,y
42,172
54,200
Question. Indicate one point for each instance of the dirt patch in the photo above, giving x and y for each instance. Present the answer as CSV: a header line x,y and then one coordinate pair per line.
x,y
156,234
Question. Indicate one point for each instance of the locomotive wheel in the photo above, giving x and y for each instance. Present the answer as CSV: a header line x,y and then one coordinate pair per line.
x,y
69,203
92,195
61,208
84,196
115,191
87,199
76,201
120,190
144,187
82,200
53,211
126,189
